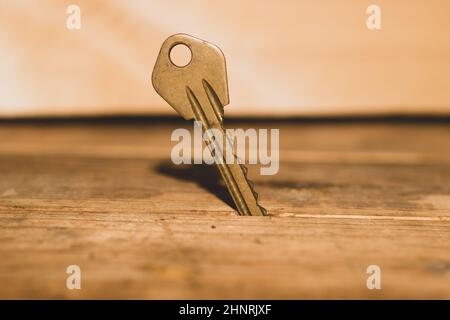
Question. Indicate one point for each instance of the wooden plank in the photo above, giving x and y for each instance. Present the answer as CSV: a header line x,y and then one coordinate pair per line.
x,y
107,198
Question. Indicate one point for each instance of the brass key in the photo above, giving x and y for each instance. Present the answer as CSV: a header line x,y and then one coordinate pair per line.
x,y
199,91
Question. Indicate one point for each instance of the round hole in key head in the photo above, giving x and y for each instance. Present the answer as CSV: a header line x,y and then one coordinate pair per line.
x,y
180,55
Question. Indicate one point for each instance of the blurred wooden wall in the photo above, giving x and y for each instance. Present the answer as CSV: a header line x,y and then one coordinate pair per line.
x,y
284,57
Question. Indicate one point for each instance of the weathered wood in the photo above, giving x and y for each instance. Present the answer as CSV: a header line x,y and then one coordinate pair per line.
x,y
107,198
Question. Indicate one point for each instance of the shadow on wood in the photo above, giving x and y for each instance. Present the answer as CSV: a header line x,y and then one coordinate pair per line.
x,y
206,176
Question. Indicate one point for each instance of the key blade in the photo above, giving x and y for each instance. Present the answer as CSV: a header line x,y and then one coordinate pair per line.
x,y
233,174
207,66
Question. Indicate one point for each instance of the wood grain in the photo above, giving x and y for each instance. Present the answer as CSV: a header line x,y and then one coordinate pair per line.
x,y
107,198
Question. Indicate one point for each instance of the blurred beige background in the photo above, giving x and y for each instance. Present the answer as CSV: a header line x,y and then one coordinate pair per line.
x,y
284,57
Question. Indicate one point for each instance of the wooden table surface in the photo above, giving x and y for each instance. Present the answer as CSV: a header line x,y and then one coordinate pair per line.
x,y
106,197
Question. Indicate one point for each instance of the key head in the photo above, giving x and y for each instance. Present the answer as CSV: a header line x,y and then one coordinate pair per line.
x,y
207,64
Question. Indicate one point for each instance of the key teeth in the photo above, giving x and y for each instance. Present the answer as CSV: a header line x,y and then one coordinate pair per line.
x,y
245,169
218,109
264,210
252,187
